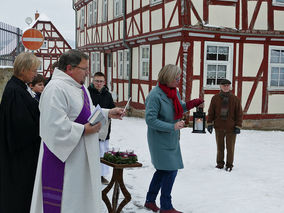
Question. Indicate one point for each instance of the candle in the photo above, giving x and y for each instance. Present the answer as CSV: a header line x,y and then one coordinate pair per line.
x,y
198,124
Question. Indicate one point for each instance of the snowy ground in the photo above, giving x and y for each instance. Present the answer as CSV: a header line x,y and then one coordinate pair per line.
x,y
256,184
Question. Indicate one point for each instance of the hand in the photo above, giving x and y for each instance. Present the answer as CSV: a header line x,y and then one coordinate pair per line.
x,y
179,125
89,129
116,113
237,130
210,129
194,103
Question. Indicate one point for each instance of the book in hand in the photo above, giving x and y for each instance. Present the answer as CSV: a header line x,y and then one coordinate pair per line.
x,y
97,116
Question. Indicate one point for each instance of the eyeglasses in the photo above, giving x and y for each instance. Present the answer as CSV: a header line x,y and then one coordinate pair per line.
x,y
99,81
82,68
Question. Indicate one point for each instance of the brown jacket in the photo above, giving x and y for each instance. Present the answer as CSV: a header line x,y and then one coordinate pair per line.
x,y
235,114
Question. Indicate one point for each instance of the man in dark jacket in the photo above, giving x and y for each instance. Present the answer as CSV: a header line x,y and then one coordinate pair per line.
x,y
225,115
101,95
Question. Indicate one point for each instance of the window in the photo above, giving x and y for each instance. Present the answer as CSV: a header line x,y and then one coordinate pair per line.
x,y
117,8
120,64
95,11
90,9
276,68
95,63
217,63
104,10
278,2
82,18
144,62
153,2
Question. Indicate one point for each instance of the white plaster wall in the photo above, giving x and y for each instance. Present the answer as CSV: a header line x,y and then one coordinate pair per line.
x,y
125,91
253,55
134,93
145,2
120,92
114,61
156,17
129,6
237,59
145,17
145,89
116,30
275,104
82,35
256,103
156,60
110,10
223,16
135,64
171,52
199,8
169,8
195,89
196,57
207,100
111,31
121,29
104,36
100,9
137,18
278,20
89,35
128,21
136,5
261,20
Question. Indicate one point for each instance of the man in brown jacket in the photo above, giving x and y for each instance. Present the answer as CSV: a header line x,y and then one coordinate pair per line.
x,y
225,115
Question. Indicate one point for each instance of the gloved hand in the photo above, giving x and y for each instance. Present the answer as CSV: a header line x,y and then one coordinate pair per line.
x,y
210,129
194,103
237,130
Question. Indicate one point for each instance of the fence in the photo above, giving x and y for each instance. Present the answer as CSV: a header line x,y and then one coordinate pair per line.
x,y
10,44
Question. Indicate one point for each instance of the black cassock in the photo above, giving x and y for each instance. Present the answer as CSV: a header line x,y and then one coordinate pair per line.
x,y
19,147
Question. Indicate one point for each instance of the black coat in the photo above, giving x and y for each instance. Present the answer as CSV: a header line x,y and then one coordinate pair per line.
x,y
103,98
19,147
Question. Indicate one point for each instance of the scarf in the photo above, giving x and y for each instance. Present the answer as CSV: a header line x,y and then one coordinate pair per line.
x,y
224,105
172,94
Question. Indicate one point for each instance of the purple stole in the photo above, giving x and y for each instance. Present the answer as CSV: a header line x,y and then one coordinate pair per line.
x,y
53,168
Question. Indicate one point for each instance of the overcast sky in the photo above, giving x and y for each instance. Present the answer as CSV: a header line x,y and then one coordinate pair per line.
x,y
60,12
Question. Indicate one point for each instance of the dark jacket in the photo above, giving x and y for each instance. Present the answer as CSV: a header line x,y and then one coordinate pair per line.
x,y
103,98
19,147
235,113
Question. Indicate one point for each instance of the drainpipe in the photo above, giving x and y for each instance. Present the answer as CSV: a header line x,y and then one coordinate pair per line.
x,y
75,24
128,47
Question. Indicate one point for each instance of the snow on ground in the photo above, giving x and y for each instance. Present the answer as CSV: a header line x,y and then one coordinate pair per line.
x,y
256,184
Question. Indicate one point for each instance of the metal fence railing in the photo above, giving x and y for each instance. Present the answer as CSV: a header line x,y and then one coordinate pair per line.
x,y
10,43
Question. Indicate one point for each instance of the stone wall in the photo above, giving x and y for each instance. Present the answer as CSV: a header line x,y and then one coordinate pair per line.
x,y
5,75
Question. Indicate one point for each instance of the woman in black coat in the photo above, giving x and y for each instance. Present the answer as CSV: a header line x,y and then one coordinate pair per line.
x,y
19,137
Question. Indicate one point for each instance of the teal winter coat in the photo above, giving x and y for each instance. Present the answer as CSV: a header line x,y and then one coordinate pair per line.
x,y
163,139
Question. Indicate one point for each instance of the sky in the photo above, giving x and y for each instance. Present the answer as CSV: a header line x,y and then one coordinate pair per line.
x,y
255,185
60,12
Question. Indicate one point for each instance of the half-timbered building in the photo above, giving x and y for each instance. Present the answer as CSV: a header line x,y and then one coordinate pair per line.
x,y
53,46
241,40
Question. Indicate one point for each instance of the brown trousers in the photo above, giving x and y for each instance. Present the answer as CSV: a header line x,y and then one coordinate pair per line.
x,y
221,135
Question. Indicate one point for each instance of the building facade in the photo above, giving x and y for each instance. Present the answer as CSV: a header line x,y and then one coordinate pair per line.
x,y
241,40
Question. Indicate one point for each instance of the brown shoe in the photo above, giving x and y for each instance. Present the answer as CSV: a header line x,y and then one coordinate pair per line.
x,y
104,181
152,206
170,211
219,166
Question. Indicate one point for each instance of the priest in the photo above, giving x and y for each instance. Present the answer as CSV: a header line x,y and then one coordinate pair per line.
x,y
68,172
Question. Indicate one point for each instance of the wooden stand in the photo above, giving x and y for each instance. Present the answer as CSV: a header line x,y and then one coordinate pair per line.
x,y
117,182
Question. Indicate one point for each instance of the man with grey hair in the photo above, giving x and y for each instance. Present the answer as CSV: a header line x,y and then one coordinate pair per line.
x,y
225,115
68,172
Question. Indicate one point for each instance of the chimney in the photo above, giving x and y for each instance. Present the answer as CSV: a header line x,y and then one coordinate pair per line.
x,y
36,15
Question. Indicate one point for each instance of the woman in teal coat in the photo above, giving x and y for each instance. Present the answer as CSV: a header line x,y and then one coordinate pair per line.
x,y
164,111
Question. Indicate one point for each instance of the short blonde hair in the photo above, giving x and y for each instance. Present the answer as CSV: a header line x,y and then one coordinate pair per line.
x,y
168,74
25,61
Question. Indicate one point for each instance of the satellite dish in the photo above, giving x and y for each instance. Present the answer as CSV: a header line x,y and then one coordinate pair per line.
x,y
28,20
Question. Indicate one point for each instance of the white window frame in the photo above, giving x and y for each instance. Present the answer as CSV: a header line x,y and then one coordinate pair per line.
x,y
154,2
144,60
126,63
276,3
120,64
117,7
95,62
95,11
228,64
82,21
90,14
105,11
270,65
